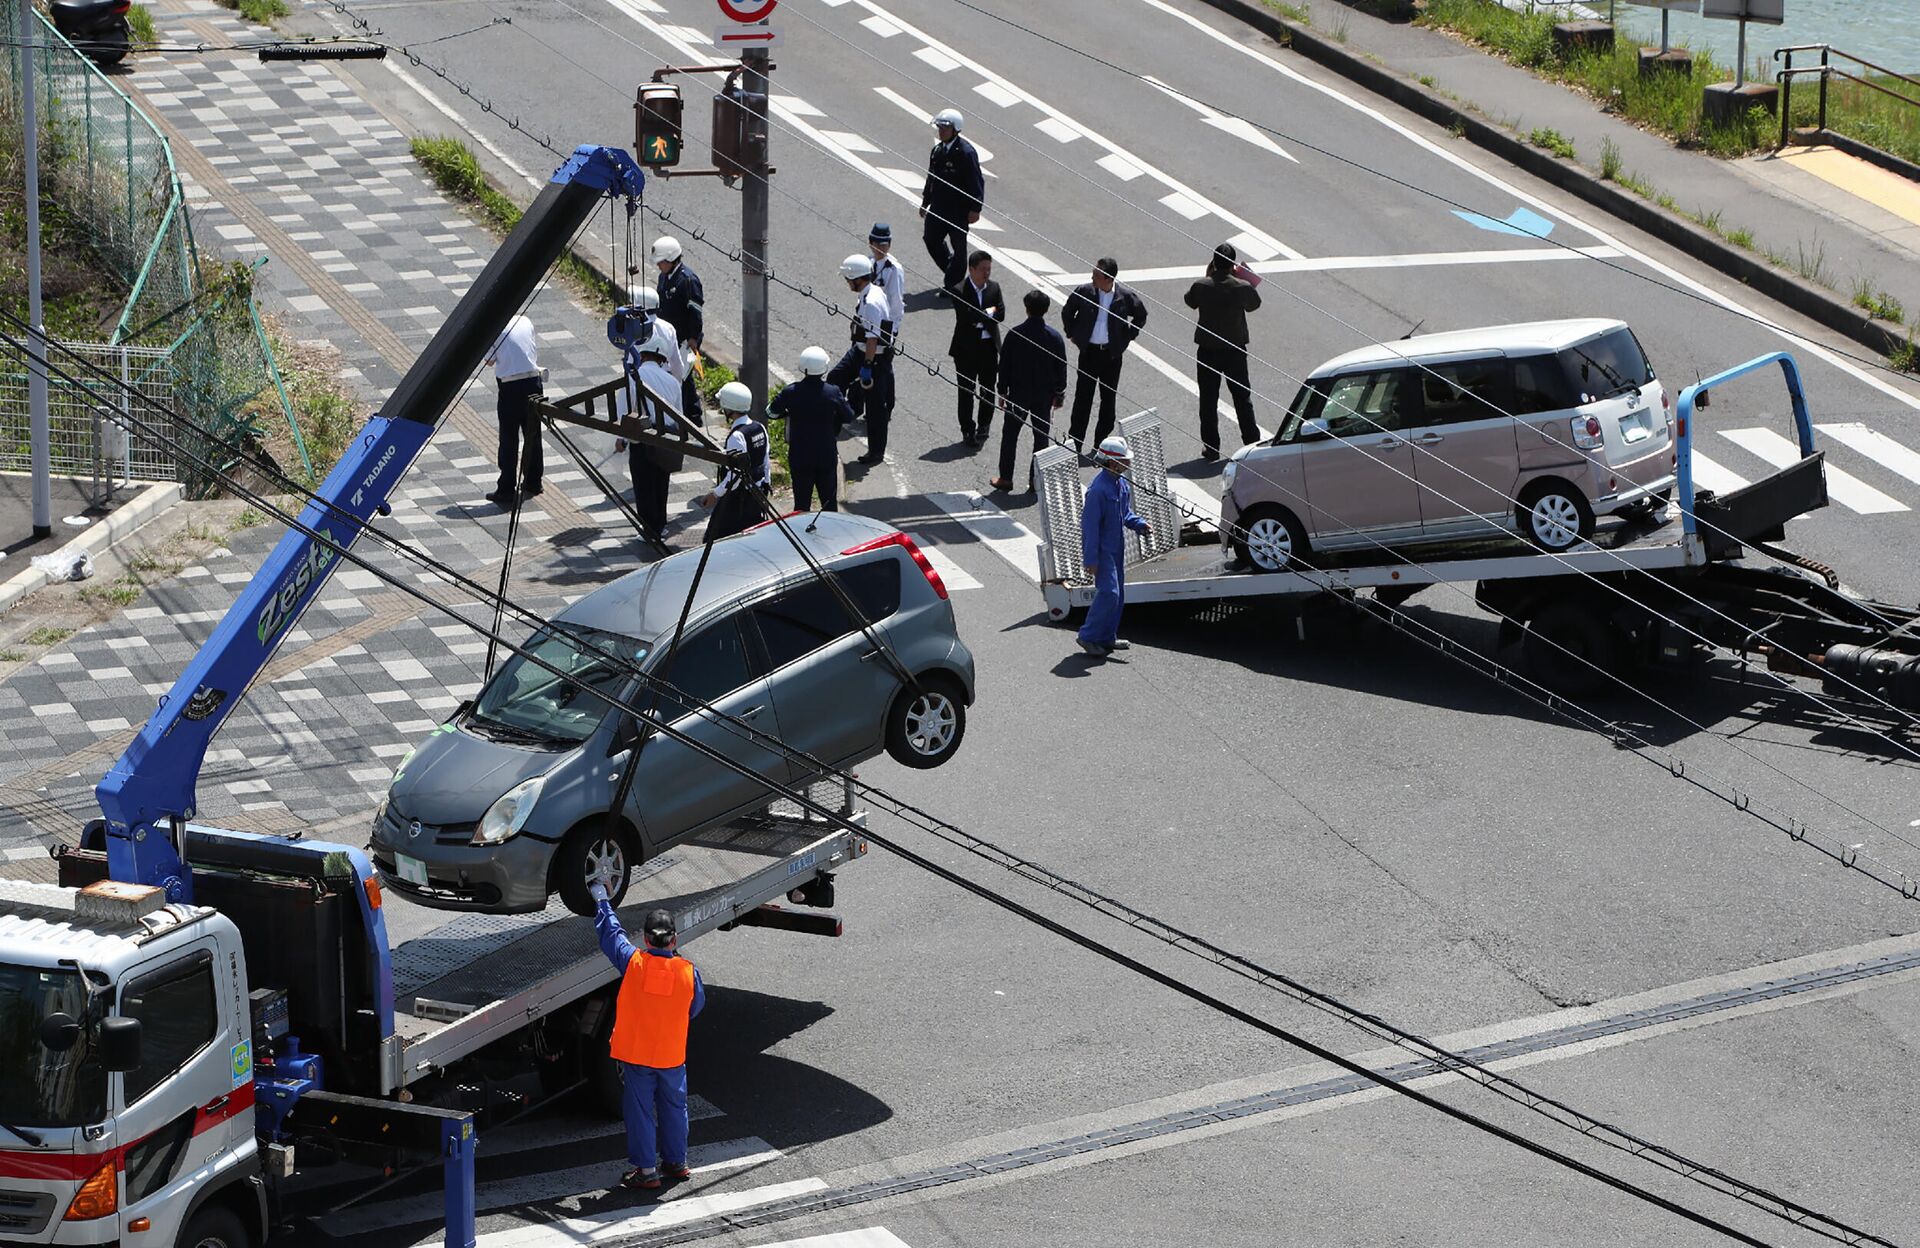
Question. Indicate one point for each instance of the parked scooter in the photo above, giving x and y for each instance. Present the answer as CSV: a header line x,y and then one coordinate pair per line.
x,y
98,28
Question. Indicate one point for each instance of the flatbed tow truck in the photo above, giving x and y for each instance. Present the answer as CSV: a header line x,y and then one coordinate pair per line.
x,y
197,1023
1663,590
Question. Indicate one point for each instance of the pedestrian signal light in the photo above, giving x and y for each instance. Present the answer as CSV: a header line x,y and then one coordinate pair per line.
x,y
657,116
730,129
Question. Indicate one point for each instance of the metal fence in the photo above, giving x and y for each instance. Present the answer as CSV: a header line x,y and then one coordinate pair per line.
x,y
105,163
91,437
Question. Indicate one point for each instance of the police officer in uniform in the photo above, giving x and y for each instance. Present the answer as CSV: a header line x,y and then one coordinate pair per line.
x,y
865,372
889,276
650,347
951,199
660,993
736,499
815,412
681,300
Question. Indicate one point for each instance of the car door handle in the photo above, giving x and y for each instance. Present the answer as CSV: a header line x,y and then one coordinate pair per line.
x,y
870,656
216,1105
1428,439
1387,444
751,711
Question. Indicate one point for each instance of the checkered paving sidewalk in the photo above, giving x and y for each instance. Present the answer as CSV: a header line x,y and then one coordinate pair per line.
x,y
366,255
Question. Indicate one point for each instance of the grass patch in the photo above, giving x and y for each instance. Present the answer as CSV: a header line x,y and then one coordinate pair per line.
x,y
121,593
12,656
1877,303
1555,142
1741,238
261,11
1458,129
1609,160
1300,13
249,518
48,636
1811,263
1425,80
1905,357
141,22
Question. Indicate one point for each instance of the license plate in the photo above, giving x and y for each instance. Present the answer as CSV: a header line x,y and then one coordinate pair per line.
x,y
1637,427
412,870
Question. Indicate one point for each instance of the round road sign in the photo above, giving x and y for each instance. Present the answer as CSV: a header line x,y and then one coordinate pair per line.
x,y
748,10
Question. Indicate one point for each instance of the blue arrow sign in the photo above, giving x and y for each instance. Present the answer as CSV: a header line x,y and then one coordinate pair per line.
x,y
1522,221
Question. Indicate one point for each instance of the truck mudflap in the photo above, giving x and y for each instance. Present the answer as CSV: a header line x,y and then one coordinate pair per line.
x,y
1759,512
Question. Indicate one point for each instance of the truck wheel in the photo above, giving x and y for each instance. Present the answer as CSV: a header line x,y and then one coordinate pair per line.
x,y
214,1227
1270,539
591,853
1555,516
1569,648
924,728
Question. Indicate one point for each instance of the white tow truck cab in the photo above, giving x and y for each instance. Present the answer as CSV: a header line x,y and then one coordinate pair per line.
x,y
128,1091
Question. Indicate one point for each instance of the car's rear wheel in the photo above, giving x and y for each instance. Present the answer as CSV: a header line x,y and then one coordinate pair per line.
x,y
1270,539
592,853
924,726
1555,516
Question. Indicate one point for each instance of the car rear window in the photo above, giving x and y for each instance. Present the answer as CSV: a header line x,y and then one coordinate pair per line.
x,y
1540,384
874,585
1610,364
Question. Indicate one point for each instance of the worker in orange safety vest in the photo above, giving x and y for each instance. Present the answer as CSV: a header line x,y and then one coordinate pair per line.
x,y
660,992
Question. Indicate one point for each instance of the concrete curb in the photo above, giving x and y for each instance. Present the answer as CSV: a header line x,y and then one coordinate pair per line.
x,y
99,537
1814,302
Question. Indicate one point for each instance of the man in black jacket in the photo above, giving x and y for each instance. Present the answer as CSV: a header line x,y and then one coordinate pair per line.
x,y
951,198
1033,384
1223,298
1102,318
975,348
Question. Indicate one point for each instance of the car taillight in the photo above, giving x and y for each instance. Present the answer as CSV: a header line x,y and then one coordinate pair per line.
x,y
98,1197
913,552
1586,432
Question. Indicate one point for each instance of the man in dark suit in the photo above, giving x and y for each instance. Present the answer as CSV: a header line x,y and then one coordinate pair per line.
x,y
977,313
1223,298
1033,383
950,199
1102,318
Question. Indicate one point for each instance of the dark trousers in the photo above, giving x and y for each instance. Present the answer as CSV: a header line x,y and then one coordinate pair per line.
x,y
690,396
518,425
650,485
736,511
977,364
946,239
822,476
1041,418
1231,363
876,403
1099,369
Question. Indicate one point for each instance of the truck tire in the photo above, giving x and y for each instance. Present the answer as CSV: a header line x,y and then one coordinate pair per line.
x,y
591,852
1569,647
924,728
1270,539
214,1227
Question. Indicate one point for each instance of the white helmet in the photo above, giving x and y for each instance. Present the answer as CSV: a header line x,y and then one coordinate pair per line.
x,y
813,361
949,117
666,247
735,398
1116,448
853,268
646,298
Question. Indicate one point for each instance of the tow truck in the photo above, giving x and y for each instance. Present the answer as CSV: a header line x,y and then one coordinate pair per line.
x,y
1657,591
196,1022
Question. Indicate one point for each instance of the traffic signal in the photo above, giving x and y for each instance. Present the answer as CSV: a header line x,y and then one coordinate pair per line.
x,y
657,115
730,129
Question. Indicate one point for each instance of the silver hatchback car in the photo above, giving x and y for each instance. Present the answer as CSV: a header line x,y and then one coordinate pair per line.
x,y
506,803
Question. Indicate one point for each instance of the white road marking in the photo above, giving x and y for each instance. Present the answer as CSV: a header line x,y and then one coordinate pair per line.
x,y
599,1228
1842,486
1037,261
848,141
793,103
1407,260
880,26
1238,127
1056,129
1184,204
938,59
1710,475
867,1237
994,92
995,529
1199,504
1122,168
440,106
1258,246
926,118
533,1188
952,575
1876,446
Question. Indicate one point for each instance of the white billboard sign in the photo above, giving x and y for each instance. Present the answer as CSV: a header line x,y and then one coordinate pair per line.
x,y
1771,12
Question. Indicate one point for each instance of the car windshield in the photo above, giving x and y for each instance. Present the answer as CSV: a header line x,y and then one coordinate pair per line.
x,y
1609,365
45,1088
526,702
1306,401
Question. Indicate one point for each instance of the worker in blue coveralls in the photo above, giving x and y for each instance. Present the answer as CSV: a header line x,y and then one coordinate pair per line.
x,y
1103,547
660,992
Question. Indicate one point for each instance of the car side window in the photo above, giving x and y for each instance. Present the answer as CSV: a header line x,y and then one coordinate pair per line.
x,y
705,668
178,1016
1464,390
1539,385
798,621
1362,403
874,587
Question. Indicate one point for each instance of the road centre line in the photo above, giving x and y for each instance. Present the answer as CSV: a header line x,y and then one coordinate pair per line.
x,y
1241,46
1408,260
1842,486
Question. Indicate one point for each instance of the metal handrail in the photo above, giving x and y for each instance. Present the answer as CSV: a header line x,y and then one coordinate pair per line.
x,y
1827,70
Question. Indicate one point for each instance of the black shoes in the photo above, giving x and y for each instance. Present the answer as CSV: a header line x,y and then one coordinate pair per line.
x,y
532,491
503,500
870,459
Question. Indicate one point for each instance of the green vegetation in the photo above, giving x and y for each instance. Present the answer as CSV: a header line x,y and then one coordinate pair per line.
x,y
123,592
12,656
142,23
249,518
1862,113
1741,238
1877,303
1425,80
261,11
1300,13
1555,142
1905,357
48,636
1458,129
1609,160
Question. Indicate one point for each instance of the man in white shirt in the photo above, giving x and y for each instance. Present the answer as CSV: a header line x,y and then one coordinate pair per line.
x,y
1101,318
736,499
865,372
646,364
891,278
978,310
515,357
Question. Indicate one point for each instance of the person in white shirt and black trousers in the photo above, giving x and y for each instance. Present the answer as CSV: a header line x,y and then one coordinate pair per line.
x,y
1101,318
516,372
978,310
738,498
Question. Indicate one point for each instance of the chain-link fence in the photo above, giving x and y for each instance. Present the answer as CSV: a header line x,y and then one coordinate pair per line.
x,y
106,164
90,435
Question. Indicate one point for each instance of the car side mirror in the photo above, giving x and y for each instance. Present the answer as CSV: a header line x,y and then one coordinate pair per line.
x,y
58,1032
1313,430
120,1044
626,735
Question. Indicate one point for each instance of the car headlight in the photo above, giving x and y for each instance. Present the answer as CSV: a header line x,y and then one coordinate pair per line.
x,y
509,813
1228,473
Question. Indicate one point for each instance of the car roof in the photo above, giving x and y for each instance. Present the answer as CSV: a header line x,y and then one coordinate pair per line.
x,y
646,604
1523,338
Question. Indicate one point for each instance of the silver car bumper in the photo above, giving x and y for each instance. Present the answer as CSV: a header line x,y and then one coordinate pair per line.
x,y
508,878
1607,504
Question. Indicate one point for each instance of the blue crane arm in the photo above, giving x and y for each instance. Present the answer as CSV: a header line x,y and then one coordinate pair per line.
x,y
148,795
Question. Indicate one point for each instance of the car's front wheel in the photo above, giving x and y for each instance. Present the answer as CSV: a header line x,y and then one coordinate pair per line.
x,y
591,854
925,725
1270,539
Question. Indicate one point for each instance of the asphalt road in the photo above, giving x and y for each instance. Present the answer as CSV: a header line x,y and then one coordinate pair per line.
x,y
1350,808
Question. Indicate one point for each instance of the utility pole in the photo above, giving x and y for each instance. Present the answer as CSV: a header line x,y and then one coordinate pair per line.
x,y
755,222
42,428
